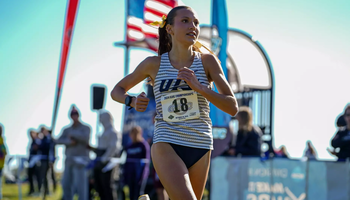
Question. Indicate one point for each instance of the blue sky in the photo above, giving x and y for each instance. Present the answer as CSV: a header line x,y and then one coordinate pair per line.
x,y
307,42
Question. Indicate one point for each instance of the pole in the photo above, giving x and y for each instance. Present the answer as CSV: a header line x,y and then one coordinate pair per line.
x,y
19,184
126,60
307,179
97,126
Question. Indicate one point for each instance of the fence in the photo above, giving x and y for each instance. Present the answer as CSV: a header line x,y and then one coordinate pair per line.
x,y
278,179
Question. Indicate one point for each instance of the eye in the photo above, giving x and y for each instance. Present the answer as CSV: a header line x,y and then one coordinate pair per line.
x,y
184,20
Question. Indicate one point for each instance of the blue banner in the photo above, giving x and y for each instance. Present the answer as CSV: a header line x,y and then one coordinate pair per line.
x,y
278,179
219,44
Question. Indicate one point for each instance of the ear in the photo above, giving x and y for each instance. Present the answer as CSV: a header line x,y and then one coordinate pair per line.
x,y
169,29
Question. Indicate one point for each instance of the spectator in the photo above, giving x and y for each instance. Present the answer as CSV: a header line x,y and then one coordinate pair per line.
x,y
3,153
310,152
339,124
136,168
33,168
45,149
282,152
248,142
341,121
160,190
109,145
75,138
52,158
342,138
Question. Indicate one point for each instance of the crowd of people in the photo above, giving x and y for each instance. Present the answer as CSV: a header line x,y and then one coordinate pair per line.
x,y
91,177
248,139
86,177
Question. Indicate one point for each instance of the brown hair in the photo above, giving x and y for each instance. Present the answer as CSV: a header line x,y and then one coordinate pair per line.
x,y
165,43
347,107
136,130
0,129
246,118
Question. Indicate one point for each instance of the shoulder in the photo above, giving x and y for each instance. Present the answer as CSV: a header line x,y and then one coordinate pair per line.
x,y
151,61
257,130
209,60
86,127
112,133
66,128
145,143
211,65
148,67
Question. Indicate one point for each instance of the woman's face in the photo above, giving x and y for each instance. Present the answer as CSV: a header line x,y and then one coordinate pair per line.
x,y
133,136
185,28
347,116
33,134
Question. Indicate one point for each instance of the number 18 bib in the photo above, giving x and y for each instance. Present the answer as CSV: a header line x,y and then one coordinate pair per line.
x,y
180,106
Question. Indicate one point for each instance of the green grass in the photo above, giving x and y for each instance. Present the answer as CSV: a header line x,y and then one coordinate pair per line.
x,y
11,192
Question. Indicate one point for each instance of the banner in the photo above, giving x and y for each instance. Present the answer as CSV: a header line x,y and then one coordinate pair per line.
x,y
66,41
278,179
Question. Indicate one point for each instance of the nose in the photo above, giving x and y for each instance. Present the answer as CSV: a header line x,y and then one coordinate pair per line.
x,y
192,26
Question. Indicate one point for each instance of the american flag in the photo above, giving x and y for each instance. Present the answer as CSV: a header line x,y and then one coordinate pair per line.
x,y
140,14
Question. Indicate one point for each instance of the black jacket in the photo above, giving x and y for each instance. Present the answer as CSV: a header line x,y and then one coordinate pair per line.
x,y
249,143
342,141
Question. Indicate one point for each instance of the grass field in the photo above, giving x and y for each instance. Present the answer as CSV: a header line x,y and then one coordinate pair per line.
x,y
11,192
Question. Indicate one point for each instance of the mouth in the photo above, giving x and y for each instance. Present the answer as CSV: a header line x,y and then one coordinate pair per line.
x,y
192,34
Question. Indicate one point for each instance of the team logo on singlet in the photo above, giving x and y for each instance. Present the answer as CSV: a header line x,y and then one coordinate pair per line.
x,y
167,85
173,84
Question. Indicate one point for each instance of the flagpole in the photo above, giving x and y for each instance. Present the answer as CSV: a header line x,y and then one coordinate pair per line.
x,y
126,55
126,60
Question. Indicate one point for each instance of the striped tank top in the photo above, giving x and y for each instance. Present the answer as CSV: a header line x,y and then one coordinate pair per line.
x,y
196,133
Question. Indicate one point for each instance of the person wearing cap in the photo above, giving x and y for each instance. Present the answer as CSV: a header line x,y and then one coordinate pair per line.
x,y
75,137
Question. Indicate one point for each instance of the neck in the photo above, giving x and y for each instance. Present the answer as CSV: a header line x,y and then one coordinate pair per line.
x,y
139,139
76,123
181,55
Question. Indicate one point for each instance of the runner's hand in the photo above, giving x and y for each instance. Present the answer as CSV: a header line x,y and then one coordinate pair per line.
x,y
189,76
141,102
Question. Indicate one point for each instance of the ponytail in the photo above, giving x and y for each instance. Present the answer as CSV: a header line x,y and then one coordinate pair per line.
x,y
164,40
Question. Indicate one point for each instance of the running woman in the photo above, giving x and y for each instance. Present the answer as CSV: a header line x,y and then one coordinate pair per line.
x,y
182,80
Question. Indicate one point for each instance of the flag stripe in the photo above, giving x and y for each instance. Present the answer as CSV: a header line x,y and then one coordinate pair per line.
x,y
138,28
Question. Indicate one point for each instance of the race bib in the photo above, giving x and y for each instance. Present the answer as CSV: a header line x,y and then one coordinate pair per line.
x,y
180,106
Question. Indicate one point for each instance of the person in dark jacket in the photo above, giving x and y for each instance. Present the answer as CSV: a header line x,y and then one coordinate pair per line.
x,y
45,150
248,142
136,168
341,140
33,168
